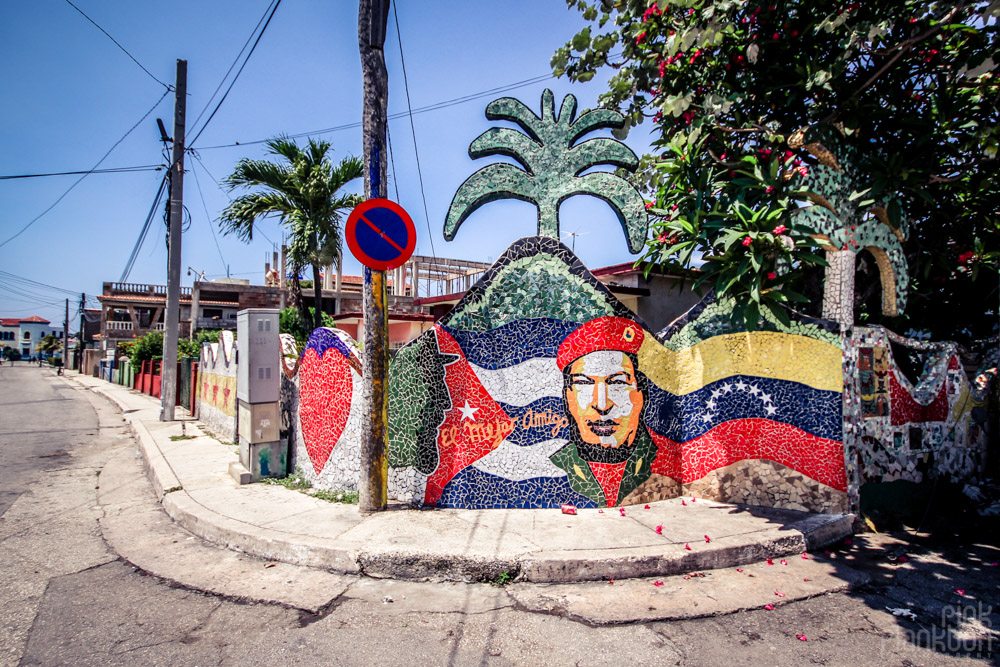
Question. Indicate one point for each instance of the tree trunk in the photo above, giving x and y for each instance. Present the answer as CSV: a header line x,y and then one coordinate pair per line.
x,y
317,297
297,298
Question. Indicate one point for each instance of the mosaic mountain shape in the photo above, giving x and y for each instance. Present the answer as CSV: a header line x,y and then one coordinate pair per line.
x,y
536,277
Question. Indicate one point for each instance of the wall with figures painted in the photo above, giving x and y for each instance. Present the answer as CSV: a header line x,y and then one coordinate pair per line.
x,y
216,391
894,429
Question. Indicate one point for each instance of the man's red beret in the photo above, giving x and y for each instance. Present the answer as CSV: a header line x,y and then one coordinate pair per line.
x,y
604,333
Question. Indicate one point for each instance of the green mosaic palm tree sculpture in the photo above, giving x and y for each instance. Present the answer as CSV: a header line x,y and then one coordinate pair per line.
x,y
844,223
551,163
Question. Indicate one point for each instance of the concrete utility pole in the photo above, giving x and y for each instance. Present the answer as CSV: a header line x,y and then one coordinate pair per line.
x,y
171,324
373,16
83,313
65,365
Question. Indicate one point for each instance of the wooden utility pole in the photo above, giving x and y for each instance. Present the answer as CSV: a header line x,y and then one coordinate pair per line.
x,y
171,321
372,19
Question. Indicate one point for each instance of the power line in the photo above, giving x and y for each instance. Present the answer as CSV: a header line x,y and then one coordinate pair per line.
x,y
110,170
79,180
400,114
119,45
235,60
277,3
208,218
413,131
143,231
34,283
198,159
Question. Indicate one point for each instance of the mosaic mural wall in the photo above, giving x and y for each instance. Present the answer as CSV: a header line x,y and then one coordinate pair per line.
x,y
541,389
216,391
321,408
896,430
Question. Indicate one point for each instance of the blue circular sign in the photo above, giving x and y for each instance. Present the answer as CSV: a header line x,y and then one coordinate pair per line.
x,y
380,233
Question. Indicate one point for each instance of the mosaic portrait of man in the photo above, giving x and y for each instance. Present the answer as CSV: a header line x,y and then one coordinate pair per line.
x,y
609,452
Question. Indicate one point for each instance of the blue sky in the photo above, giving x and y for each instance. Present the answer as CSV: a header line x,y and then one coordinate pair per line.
x,y
70,93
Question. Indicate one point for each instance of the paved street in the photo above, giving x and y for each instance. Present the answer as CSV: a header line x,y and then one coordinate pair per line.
x,y
68,598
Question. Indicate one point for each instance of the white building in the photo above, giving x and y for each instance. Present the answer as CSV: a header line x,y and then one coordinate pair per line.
x,y
23,334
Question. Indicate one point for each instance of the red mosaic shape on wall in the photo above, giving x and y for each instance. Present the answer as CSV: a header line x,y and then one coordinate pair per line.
x,y
473,426
747,439
325,392
905,410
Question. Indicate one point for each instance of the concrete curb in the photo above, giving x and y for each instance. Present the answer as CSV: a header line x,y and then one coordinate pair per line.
x,y
419,564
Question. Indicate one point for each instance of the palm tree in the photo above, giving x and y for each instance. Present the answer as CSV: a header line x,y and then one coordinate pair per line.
x,y
551,162
48,345
303,192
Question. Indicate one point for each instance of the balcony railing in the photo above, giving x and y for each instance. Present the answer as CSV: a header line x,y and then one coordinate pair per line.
x,y
145,289
119,326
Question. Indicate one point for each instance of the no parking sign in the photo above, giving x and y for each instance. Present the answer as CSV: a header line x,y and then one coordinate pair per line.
x,y
380,234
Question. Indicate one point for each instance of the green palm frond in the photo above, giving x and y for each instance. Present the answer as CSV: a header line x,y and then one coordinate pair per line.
x,y
551,162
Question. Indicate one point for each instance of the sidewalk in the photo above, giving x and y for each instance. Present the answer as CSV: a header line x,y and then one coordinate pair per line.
x,y
190,478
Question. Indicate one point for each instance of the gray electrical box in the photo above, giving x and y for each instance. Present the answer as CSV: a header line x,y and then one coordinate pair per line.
x,y
258,371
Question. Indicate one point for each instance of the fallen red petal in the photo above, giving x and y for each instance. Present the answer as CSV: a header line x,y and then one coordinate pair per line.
x,y
708,539
739,569
783,561
657,583
688,547
769,607
683,503
960,591
611,581
805,556
646,507
569,509
659,530
801,638
770,562
779,594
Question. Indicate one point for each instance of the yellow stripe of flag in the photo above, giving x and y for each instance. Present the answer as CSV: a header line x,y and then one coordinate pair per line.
x,y
767,354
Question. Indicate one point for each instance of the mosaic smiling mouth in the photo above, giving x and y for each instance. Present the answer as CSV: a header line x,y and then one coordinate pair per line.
x,y
603,427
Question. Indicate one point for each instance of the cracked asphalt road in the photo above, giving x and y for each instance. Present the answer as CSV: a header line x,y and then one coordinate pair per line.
x,y
68,599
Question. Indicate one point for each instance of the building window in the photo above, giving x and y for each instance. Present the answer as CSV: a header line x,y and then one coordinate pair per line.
x,y
27,335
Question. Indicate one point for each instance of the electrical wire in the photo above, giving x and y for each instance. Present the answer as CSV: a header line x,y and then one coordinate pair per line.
x,y
79,180
208,217
274,8
413,131
6,275
392,162
110,170
400,114
169,88
197,157
235,60
143,231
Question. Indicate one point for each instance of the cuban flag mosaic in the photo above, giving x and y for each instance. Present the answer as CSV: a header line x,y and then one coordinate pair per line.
x,y
541,389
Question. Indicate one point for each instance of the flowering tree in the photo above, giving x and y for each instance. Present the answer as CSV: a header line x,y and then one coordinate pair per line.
x,y
733,89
